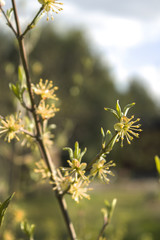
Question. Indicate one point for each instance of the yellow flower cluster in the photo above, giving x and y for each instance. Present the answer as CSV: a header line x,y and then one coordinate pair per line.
x,y
47,138
76,168
46,109
101,169
63,182
75,178
127,128
45,90
10,127
42,169
79,190
82,175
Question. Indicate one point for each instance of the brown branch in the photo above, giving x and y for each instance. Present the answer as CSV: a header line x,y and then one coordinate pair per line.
x,y
44,151
103,228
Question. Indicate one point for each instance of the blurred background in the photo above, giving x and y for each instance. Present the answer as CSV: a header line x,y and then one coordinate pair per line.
x,y
95,53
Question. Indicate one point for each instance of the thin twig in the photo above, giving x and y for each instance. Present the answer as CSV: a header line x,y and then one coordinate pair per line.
x,y
103,228
30,26
107,149
44,151
8,21
28,133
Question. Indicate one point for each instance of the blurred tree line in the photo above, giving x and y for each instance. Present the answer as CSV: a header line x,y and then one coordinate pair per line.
x,y
86,86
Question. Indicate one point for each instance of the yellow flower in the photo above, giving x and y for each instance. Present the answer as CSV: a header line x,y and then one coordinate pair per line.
x,y
101,168
10,127
78,190
46,111
47,138
51,5
46,90
77,168
126,128
62,182
19,215
8,235
42,169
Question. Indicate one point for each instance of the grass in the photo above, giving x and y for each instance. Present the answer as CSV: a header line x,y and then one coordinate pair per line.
x,y
136,216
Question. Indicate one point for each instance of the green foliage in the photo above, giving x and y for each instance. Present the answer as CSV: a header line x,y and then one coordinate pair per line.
x,y
105,137
134,215
77,154
9,13
19,88
109,209
118,113
157,162
3,208
28,229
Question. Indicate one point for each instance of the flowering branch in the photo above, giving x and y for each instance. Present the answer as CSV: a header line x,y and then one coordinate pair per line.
x,y
45,154
75,178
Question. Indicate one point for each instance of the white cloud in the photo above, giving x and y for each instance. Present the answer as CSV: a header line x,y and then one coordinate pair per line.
x,y
110,30
119,32
139,9
151,76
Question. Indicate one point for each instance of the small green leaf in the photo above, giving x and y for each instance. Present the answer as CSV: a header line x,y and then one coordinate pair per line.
x,y
77,150
157,161
114,202
112,111
105,213
108,132
110,208
21,74
82,154
118,108
27,228
103,138
110,145
14,89
70,151
127,107
102,132
9,13
77,154
3,208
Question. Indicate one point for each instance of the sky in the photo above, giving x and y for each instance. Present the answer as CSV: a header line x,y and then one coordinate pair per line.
x,y
125,32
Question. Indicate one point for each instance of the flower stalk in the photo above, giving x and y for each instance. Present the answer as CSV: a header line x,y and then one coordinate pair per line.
x,y
44,151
